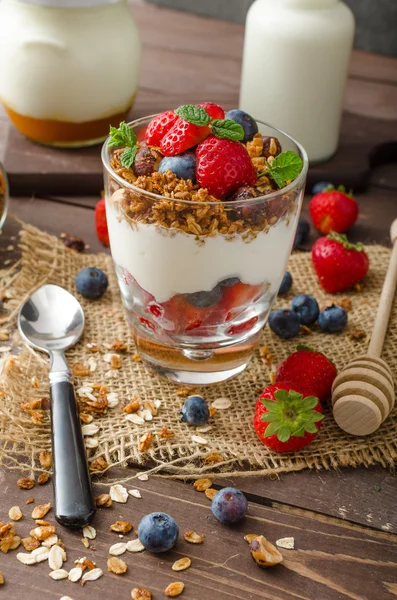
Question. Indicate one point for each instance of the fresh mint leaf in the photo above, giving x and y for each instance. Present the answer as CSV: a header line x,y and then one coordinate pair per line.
x,y
285,167
128,157
227,129
193,114
128,134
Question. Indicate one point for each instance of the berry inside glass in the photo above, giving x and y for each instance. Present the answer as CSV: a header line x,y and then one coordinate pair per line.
x,y
200,238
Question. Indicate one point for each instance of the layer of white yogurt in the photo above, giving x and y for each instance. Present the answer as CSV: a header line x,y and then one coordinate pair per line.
x,y
165,263
69,64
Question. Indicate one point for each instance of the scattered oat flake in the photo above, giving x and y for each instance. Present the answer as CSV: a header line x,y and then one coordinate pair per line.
x,y
104,501
141,594
357,335
90,429
75,574
288,543
145,414
118,549
135,546
133,406
204,429
59,574
182,564
92,575
98,464
66,598
136,358
55,558
111,374
29,500
115,361
35,382
41,554
264,553
43,478
89,532
213,458
113,399
42,533
211,492
80,370
174,589
143,477
221,403
202,484
50,541
92,364
145,441
16,542
135,493
116,565
121,526
25,483
119,493
135,419
91,442
45,458
26,559
93,347
41,510
15,513
30,543
197,439
166,433
85,542
194,538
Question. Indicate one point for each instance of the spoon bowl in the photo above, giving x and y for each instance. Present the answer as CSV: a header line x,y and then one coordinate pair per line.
x,y
52,321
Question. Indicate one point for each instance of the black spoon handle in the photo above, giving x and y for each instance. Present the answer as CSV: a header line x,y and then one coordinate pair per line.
x,y
73,499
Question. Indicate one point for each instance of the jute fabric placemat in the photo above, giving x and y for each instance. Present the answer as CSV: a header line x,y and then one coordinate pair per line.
x,y
231,445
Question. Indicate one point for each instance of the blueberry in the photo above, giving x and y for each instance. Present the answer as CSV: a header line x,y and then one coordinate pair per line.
x,y
285,284
91,283
195,411
285,323
229,282
158,532
332,319
306,307
229,505
205,299
183,165
246,121
320,186
302,232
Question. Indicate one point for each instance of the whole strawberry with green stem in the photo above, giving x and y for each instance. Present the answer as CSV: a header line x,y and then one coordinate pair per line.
x,y
309,368
287,418
338,263
101,224
333,210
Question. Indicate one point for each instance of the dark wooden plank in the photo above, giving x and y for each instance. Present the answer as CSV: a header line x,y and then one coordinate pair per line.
x,y
333,560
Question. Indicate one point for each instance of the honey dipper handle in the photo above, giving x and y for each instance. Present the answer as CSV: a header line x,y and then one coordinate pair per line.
x,y
386,299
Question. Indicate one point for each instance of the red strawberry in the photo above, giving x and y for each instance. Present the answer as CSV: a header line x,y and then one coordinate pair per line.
x,y
309,368
287,418
223,166
141,135
184,135
101,224
339,265
237,297
159,126
179,316
333,210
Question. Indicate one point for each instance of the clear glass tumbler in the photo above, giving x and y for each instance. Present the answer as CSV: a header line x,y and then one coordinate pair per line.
x,y
4,196
198,279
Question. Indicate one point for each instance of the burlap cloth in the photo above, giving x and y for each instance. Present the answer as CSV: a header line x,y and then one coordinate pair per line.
x,y
46,260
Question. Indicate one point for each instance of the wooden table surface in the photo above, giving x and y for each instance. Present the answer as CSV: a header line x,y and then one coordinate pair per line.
x,y
344,523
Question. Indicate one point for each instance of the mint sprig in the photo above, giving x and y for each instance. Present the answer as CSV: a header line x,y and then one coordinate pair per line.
x,y
124,136
285,167
221,128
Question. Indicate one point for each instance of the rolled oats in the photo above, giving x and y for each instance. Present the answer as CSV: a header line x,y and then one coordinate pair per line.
x,y
50,541
15,513
133,406
264,553
103,501
25,483
35,382
43,478
42,533
41,554
98,464
59,574
117,346
16,542
135,419
141,594
151,407
90,429
135,493
80,370
121,527
92,364
36,417
202,484
211,492
45,458
92,575
197,439
26,559
30,543
143,477
93,347
118,549
85,542
204,429
113,399
41,510
213,458
116,565
55,558
145,414
194,538
29,500
166,433
135,546
91,442
221,403
75,574
118,493
182,564
174,589
288,543
111,374
145,441
85,418
89,532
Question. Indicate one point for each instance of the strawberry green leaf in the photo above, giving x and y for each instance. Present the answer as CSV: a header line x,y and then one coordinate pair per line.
x,y
128,157
285,167
311,428
284,433
341,238
304,347
309,402
271,429
270,417
271,405
281,395
299,432
315,418
193,114
227,129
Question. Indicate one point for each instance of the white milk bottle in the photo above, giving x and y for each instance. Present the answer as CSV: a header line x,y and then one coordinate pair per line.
x,y
296,58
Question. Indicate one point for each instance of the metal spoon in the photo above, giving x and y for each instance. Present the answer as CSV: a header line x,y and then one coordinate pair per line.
x,y
52,320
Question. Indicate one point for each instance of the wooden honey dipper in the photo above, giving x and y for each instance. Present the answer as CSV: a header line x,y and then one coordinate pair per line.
x,y
363,392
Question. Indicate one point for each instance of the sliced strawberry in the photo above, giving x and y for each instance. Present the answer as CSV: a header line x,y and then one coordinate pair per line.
x,y
159,126
237,298
184,135
101,224
141,135
180,316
